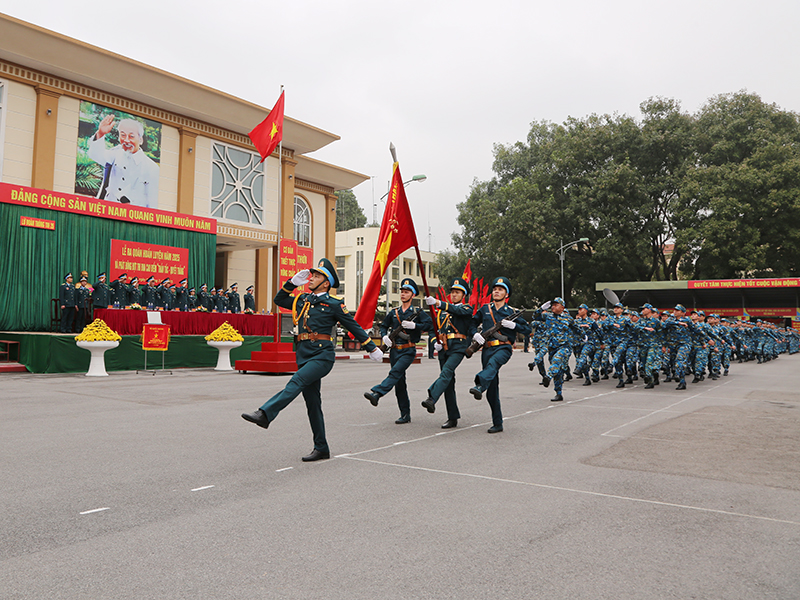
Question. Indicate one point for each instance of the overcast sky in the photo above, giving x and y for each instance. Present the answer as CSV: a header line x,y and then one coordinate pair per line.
x,y
445,81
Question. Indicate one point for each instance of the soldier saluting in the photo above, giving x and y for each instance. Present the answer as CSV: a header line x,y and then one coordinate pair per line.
x,y
497,349
315,313
412,322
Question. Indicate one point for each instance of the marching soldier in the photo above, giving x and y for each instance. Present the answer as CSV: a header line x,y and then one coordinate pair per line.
x,y
650,340
498,348
101,294
561,327
315,313
234,304
681,327
403,349
67,302
249,299
590,334
456,328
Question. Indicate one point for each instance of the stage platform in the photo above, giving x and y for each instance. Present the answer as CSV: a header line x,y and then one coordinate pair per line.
x,y
58,353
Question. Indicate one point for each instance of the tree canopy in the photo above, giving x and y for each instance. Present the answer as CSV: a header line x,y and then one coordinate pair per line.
x,y
668,196
349,214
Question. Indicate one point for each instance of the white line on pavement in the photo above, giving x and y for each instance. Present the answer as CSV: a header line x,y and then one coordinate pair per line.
x,y
205,487
94,510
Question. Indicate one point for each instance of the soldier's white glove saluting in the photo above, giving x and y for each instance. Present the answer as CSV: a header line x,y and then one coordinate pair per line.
x,y
437,346
387,341
301,277
376,355
431,301
408,325
478,338
508,324
546,305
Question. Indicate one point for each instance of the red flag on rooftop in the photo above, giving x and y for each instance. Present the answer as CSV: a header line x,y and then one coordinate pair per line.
x,y
467,275
397,235
267,135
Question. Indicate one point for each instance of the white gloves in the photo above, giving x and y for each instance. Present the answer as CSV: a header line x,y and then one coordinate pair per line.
x,y
478,338
387,341
408,325
508,324
301,277
437,346
431,301
376,355
546,305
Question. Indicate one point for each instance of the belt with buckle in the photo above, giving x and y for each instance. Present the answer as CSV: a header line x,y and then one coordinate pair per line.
x,y
456,336
496,343
313,336
404,346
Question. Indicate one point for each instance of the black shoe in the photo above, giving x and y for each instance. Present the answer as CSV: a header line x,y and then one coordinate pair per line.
x,y
635,378
696,379
655,379
258,417
587,381
372,397
476,392
316,455
650,386
403,419
450,423
595,379
725,374
558,398
495,429
604,377
545,381
621,384
667,379
628,380
531,365
681,386
568,377
429,405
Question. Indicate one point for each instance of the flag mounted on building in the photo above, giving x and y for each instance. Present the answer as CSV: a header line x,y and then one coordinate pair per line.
x,y
267,135
396,235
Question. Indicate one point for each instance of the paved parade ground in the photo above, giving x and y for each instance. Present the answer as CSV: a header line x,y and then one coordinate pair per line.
x,y
153,487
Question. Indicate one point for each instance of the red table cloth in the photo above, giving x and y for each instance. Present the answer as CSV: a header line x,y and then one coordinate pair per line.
x,y
129,322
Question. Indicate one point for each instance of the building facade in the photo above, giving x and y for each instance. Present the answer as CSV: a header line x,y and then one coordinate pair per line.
x,y
355,254
54,94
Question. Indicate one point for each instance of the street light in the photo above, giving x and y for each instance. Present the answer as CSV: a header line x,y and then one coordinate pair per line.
x,y
419,178
561,253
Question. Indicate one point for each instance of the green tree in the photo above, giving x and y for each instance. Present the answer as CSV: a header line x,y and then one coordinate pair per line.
x,y
349,215
448,265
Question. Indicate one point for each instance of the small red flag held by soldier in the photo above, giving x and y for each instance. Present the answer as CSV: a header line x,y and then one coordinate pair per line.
x,y
396,235
467,275
267,135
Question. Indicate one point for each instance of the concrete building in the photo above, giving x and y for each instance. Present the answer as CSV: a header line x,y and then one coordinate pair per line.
x,y
52,86
355,254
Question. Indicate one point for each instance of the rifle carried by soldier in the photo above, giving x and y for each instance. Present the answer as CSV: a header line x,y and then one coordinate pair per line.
x,y
486,335
399,332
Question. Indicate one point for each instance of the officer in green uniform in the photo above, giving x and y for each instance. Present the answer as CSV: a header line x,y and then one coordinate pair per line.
x,y
191,300
182,295
134,294
150,294
101,294
203,299
119,294
82,296
66,300
221,304
234,303
315,313
249,299
164,299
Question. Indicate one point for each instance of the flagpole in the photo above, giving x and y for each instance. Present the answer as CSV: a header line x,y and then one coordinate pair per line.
x,y
425,285
280,185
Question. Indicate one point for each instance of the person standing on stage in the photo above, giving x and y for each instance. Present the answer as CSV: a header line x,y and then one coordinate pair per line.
x,y
82,299
498,348
249,300
101,293
203,298
456,328
134,294
191,300
68,304
414,322
164,296
221,303
315,313
182,295
119,291
150,294
234,303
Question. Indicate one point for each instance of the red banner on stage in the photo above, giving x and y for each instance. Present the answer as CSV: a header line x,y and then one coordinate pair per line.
x,y
732,284
37,223
293,258
143,260
83,205
155,337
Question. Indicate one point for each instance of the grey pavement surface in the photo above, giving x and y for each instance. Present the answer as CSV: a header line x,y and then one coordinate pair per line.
x,y
139,486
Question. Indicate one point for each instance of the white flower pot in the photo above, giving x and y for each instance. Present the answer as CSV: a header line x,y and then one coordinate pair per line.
x,y
97,364
224,358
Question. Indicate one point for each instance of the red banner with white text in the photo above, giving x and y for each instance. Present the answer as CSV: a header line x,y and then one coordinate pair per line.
x,y
143,260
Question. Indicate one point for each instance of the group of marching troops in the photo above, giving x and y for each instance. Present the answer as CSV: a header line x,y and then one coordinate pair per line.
x,y
77,301
625,345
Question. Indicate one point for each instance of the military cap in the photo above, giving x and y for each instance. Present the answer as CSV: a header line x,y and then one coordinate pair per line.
x,y
184,280
460,284
626,312
502,282
409,284
584,305
213,290
701,313
83,279
103,274
558,300
233,285
123,276
135,280
191,289
250,288
593,310
165,280
68,275
151,279
619,305
204,286
648,306
326,268
680,307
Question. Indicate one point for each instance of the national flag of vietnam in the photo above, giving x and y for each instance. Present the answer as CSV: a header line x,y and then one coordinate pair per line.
x,y
467,275
267,135
397,235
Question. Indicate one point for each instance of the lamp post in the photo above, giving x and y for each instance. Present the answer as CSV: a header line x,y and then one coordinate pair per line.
x,y
419,178
561,253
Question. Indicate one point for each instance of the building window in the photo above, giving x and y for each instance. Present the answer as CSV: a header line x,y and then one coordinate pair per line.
x,y
418,269
3,96
302,222
340,261
395,287
395,273
237,185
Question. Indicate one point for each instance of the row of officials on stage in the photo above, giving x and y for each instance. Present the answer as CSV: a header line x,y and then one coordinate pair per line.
x,y
76,301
